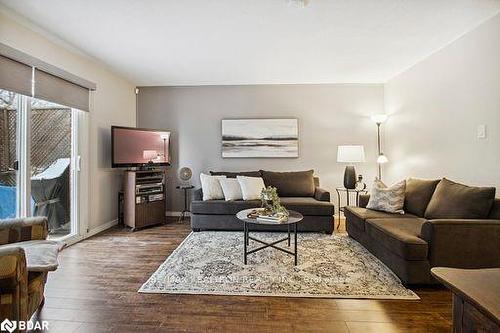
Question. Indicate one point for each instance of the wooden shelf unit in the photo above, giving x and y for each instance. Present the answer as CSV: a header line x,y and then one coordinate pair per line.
x,y
144,200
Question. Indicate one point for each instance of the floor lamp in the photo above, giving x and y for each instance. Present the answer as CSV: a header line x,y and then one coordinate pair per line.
x,y
379,119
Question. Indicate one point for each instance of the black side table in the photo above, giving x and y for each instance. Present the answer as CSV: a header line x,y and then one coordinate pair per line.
x,y
186,189
348,192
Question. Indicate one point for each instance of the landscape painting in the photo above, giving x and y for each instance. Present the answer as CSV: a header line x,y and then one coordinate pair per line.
x,y
260,138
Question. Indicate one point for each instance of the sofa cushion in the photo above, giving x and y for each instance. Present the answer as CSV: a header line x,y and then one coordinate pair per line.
x,y
222,207
291,184
457,201
234,174
400,236
418,193
308,206
358,215
303,205
495,210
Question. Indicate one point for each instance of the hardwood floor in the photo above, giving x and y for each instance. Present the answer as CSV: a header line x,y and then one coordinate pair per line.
x,y
95,290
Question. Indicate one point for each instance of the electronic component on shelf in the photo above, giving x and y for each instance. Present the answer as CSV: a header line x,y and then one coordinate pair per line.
x,y
148,188
155,197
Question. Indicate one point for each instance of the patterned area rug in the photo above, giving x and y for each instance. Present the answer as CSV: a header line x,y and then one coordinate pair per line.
x,y
330,266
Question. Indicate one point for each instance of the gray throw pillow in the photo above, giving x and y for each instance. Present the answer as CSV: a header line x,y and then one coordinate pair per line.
x,y
457,201
387,199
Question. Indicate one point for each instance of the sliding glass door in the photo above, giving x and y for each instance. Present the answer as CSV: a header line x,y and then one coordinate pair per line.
x,y
38,153
51,167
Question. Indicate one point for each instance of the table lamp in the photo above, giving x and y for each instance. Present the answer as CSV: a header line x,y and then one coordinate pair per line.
x,y
350,154
149,155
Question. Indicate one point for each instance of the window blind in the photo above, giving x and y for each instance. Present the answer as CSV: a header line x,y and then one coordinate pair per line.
x,y
55,89
51,83
15,76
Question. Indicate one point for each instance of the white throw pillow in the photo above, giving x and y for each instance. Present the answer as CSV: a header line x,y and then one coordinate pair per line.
x,y
231,188
211,188
251,187
387,199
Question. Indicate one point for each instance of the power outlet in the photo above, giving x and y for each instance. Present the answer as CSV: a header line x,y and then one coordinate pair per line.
x,y
481,131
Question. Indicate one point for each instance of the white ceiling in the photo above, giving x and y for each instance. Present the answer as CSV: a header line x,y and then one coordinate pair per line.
x,y
196,42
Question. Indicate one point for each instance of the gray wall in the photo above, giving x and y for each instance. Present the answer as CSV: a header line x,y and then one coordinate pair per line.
x,y
329,115
435,108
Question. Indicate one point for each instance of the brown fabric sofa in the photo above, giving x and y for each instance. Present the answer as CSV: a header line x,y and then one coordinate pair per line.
x,y
466,234
298,191
21,292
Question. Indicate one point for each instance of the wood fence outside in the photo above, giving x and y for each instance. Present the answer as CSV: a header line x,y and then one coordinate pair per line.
x,y
51,139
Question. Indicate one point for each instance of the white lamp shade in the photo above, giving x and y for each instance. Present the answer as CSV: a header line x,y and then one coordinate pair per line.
x,y
381,159
379,118
350,154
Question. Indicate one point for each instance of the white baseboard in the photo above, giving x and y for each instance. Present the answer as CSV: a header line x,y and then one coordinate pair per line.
x,y
101,228
171,213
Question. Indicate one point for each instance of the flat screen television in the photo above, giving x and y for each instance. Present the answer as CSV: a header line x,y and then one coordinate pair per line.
x,y
138,147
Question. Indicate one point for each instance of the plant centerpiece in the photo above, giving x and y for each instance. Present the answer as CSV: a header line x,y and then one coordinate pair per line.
x,y
270,201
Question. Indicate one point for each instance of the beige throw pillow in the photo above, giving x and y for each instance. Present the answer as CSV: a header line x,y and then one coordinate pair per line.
x,y
211,187
231,188
251,187
387,199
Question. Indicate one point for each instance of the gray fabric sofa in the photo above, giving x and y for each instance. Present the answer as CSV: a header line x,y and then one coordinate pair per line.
x,y
446,224
298,191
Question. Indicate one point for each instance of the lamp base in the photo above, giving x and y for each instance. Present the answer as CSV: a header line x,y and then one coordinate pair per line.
x,y
350,177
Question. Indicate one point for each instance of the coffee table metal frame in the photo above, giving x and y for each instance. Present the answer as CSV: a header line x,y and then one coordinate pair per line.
x,y
294,219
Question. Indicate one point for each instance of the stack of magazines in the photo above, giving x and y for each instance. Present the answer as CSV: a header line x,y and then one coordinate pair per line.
x,y
265,216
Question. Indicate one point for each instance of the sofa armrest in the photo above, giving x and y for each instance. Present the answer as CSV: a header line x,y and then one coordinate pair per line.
x,y
13,284
321,194
197,195
462,243
363,200
23,229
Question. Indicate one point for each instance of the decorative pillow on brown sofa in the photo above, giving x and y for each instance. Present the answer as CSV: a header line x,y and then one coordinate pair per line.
x,y
387,199
457,201
291,184
418,194
234,174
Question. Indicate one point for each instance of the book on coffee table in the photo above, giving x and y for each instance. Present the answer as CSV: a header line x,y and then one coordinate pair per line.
x,y
260,215
272,218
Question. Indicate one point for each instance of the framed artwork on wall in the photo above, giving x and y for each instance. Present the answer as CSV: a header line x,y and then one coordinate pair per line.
x,y
271,138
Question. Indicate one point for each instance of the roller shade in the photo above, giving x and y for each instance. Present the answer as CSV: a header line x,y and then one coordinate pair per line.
x,y
15,76
55,89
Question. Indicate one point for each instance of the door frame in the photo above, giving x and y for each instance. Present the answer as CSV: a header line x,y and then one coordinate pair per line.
x,y
23,156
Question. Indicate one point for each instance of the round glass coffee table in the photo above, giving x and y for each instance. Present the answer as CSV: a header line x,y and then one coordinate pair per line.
x,y
293,219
